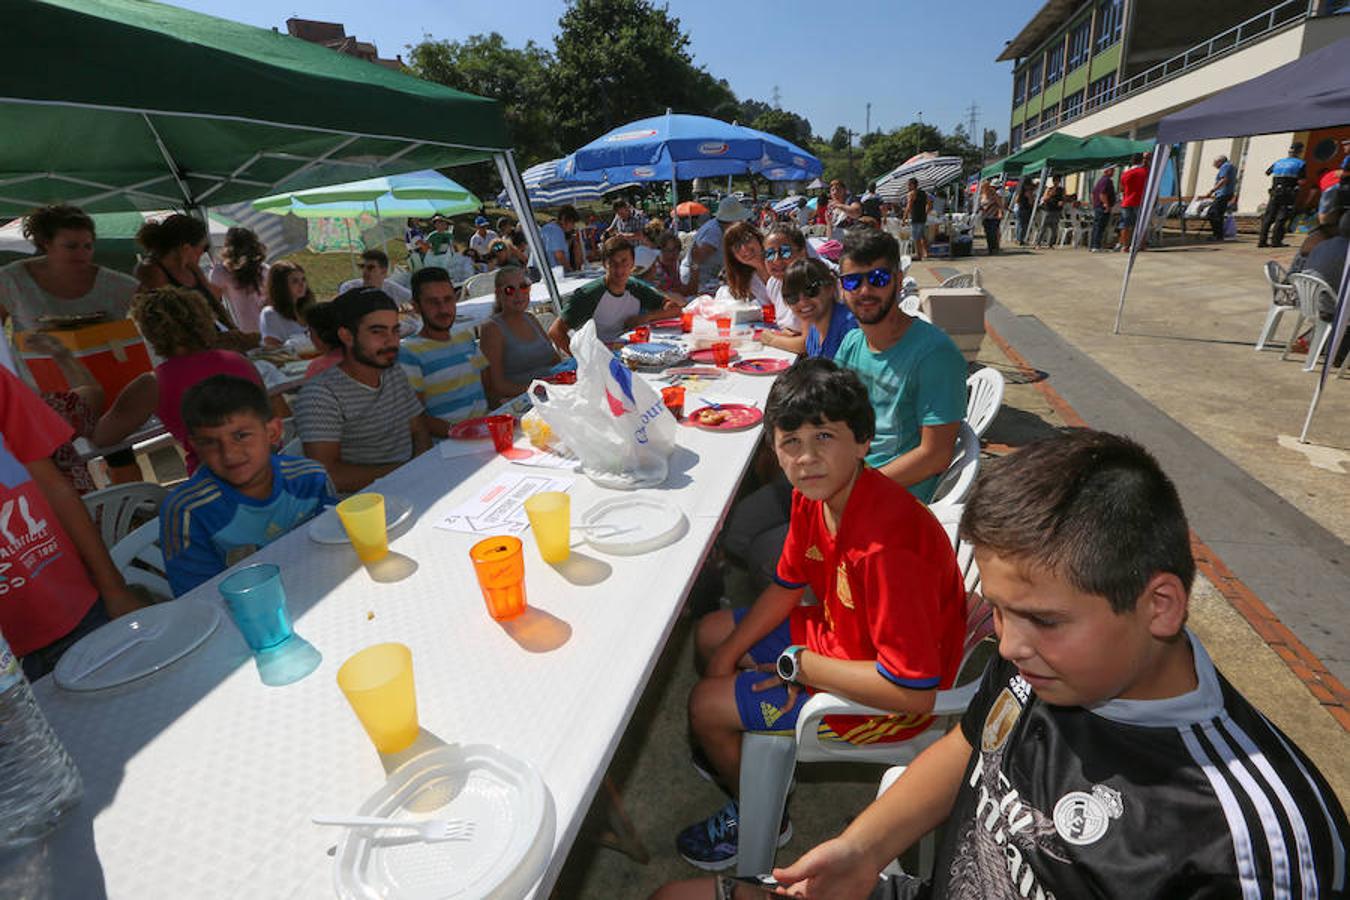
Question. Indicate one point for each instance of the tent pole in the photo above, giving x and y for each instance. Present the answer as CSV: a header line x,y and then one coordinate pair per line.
x,y
1337,337
1160,154
1036,204
351,251
520,199
674,199
173,166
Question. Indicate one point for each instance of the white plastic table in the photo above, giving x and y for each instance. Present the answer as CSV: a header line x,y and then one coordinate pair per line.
x,y
200,781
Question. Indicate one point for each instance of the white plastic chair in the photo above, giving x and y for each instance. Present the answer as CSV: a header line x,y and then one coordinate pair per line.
x,y
1309,287
906,246
956,481
964,280
480,285
905,262
984,399
141,561
114,509
1283,299
1069,228
768,760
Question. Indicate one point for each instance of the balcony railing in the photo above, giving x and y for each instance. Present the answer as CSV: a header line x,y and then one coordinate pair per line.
x,y
1242,35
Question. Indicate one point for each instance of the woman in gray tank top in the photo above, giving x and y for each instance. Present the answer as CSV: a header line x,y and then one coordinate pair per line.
x,y
516,346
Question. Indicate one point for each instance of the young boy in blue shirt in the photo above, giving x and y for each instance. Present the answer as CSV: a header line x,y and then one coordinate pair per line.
x,y
243,496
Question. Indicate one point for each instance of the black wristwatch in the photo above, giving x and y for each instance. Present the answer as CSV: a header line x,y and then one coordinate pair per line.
x,y
789,663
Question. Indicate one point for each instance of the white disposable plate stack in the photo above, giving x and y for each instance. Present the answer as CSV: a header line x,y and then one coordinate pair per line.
x,y
627,526
512,838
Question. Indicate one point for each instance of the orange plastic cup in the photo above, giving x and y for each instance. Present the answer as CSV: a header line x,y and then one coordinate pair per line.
x,y
499,564
503,432
673,398
722,354
768,314
642,334
724,326
686,322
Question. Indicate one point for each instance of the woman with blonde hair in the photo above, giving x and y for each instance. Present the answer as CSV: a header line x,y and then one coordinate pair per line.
x,y
517,348
242,276
288,298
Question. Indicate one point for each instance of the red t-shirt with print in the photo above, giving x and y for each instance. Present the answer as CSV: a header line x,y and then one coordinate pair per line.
x,y
44,588
1132,182
889,591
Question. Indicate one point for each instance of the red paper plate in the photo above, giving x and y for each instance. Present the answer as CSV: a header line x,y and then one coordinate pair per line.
x,y
471,430
697,372
706,355
726,417
761,365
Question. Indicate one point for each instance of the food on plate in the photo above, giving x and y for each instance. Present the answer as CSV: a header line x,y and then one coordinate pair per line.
x,y
709,416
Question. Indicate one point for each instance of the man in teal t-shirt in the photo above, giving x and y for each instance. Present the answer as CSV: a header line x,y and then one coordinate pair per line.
x,y
915,376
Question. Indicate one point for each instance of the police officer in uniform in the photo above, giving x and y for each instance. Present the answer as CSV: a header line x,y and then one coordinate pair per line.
x,y
1286,174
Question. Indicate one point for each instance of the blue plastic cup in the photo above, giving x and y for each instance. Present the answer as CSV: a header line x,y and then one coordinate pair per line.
x,y
256,600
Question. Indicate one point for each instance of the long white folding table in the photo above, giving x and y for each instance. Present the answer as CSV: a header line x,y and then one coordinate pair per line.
x,y
200,781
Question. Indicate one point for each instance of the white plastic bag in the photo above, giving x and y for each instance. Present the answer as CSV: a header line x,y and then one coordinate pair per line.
x,y
612,420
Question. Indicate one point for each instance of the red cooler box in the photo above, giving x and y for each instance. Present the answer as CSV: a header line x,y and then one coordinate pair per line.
x,y
114,352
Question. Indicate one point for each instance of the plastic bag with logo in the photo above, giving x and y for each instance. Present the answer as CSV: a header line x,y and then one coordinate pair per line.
x,y
612,420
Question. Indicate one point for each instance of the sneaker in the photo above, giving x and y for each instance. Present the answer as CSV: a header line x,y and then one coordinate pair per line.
x,y
711,844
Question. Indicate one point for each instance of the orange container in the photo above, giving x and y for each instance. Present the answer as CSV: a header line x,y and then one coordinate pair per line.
x,y
499,564
114,352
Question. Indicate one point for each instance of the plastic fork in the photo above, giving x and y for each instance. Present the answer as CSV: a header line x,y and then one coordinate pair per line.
x,y
139,634
430,830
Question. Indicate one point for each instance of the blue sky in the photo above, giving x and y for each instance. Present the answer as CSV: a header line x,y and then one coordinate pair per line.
x,y
904,56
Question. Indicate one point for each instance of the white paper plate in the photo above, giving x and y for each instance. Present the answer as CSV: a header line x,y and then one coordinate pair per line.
x,y
503,796
637,525
177,627
327,527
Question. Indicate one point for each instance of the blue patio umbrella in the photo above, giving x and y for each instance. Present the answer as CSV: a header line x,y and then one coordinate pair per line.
x,y
545,188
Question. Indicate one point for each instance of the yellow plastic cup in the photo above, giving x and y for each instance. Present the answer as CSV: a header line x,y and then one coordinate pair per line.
x,y
550,515
378,683
362,516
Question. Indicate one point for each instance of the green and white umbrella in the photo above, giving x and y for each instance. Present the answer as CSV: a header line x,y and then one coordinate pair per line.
x,y
417,195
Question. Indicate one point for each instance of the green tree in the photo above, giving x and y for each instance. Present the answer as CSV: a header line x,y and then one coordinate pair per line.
x,y
518,77
989,145
619,60
786,125
889,149
840,139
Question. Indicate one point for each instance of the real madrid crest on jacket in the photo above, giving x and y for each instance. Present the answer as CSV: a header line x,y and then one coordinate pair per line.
x,y
1197,795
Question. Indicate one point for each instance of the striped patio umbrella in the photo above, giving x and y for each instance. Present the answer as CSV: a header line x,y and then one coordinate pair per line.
x,y
933,172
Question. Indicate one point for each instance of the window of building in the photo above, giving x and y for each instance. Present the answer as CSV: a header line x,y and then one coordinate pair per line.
x,y
1050,116
1073,106
1031,123
1110,15
1101,91
1019,88
1054,64
1080,39
1015,139
1034,79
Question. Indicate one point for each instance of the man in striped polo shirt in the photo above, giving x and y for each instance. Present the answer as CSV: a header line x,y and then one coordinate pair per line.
x,y
444,369
361,418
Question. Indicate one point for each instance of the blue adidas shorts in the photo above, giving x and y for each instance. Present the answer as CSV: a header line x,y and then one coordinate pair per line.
x,y
762,710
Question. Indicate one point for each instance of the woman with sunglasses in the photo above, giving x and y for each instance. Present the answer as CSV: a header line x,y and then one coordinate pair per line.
x,y
516,346
783,245
744,268
811,289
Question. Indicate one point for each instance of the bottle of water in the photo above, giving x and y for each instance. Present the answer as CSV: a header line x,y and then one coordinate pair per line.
x,y
38,780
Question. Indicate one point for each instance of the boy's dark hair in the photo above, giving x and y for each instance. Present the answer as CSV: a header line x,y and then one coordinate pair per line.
x,y
211,401
376,256
322,317
815,390
1094,508
425,276
866,245
614,246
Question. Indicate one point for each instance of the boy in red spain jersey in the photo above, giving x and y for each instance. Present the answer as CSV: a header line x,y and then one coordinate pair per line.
x,y
889,627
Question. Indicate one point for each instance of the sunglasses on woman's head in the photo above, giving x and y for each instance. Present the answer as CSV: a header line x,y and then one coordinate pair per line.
x,y
812,291
777,252
879,277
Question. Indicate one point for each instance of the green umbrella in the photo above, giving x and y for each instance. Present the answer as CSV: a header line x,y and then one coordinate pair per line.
x,y
416,195
125,104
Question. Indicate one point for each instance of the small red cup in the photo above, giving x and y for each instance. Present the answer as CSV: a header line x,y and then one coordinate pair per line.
x,y
673,398
722,354
768,314
724,326
686,322
503,432
642,334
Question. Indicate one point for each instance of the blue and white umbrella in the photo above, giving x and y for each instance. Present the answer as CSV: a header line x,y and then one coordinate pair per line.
x,y
787,204
670,147
546,189
933,172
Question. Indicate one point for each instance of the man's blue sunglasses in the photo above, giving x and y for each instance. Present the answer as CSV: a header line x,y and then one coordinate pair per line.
x,y
877,278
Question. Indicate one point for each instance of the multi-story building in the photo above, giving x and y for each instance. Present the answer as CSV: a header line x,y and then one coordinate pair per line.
x,y
1115,67
335,37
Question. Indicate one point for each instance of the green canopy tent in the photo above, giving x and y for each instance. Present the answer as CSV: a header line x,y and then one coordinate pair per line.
x,y
1060,153
129,104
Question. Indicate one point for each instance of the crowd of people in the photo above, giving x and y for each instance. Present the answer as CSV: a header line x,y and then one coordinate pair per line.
x,y
1101,698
